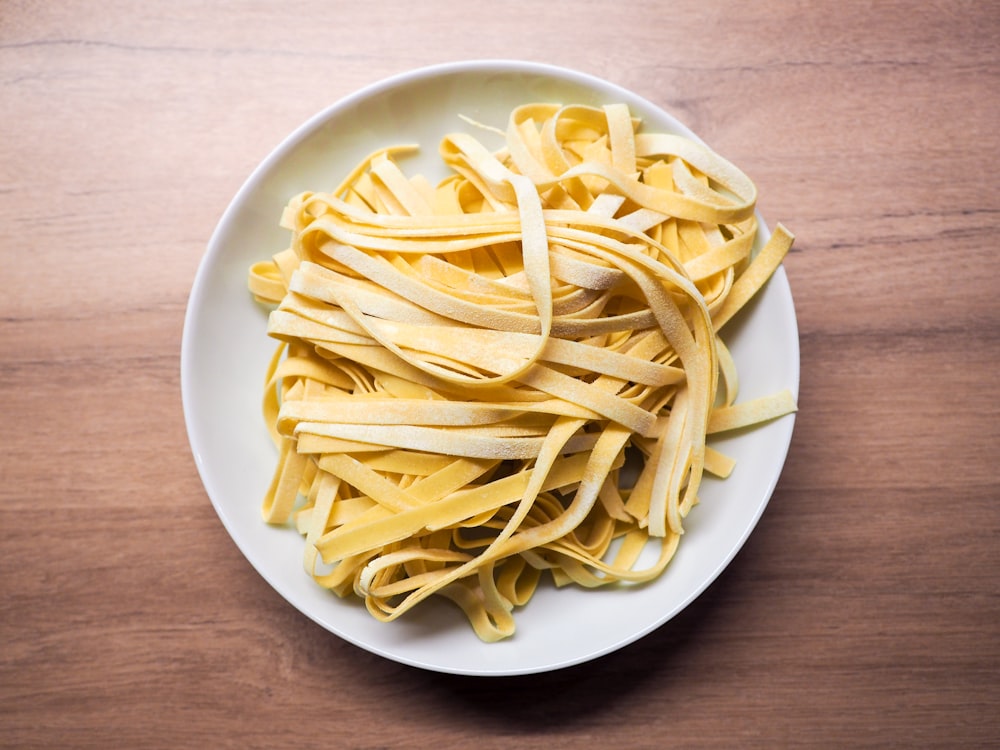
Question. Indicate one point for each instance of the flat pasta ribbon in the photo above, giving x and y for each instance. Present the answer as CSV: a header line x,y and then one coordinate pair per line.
x,y
513,371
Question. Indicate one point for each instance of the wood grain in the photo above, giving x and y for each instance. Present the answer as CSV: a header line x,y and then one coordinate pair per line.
x,y
863,611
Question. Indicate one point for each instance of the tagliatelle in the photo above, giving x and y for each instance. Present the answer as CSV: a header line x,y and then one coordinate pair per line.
x,y
513,371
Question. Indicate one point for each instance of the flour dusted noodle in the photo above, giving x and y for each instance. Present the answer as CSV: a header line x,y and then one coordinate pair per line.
x,y
512,372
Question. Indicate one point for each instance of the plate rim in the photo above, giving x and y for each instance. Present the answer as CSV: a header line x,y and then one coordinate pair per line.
x,y
292,141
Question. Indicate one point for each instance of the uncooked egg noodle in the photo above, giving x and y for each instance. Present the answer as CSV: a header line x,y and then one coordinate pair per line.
x,y
513,371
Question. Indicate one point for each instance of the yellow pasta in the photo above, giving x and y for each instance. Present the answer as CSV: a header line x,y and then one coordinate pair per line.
x,y
513,371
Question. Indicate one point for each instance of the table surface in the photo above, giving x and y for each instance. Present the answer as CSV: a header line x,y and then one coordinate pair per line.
x,y
863,610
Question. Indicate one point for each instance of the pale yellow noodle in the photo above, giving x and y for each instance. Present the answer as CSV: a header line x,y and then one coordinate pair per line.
x,y
513,371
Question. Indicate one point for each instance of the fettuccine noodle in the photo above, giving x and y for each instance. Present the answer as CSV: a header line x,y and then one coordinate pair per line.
x,y
513,371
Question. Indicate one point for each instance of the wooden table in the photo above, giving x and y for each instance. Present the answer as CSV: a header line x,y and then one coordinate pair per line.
x,y
864,609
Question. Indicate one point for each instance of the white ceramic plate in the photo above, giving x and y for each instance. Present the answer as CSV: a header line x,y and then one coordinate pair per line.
x,y
225,352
